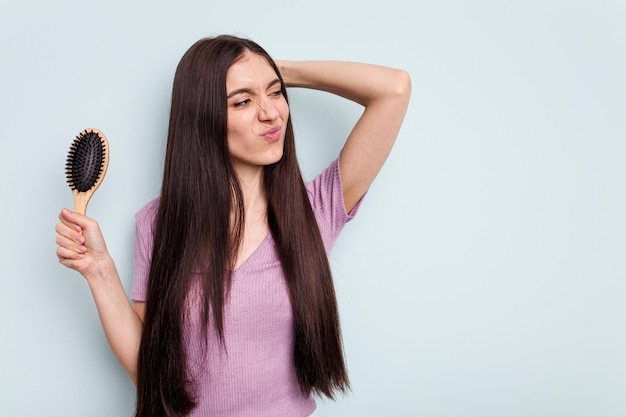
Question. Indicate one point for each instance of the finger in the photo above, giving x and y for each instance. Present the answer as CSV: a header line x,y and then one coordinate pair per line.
x,y
75,219
70,244
65,216
64,230
66,255
71,263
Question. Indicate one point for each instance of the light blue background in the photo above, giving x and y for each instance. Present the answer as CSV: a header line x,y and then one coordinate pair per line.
x,y
484,276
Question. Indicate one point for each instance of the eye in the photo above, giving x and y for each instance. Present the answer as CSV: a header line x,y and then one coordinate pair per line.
x,y
241,103
276,93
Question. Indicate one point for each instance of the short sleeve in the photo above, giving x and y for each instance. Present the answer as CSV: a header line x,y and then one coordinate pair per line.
x,y
326,197
144,242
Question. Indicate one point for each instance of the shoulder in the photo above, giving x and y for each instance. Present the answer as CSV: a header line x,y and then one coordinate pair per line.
x,y
148,212
324,181
150,207
326,197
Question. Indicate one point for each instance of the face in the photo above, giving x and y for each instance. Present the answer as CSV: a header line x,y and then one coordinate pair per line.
x,y
257,113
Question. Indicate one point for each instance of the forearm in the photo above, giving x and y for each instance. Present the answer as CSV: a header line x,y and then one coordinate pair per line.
x,y
121,324
383,91
361,83
82,248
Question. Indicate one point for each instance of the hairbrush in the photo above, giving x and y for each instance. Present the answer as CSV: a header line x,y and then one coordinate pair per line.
x,y
87,163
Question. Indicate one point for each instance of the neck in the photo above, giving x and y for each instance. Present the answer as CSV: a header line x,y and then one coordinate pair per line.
x,y
251,182
250,230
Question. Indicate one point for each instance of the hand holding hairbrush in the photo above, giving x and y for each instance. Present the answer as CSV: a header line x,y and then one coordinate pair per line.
x,y
87,163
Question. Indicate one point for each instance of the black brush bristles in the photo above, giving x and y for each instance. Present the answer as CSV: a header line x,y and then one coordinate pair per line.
x,y
85,161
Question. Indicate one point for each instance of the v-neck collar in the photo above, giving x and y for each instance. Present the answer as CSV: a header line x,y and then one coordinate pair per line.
x,y
259,251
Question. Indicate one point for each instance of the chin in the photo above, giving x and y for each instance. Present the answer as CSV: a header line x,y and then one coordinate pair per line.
x,y
275,159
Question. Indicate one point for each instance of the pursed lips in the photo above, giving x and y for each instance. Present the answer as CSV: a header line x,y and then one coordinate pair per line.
x,y
272,134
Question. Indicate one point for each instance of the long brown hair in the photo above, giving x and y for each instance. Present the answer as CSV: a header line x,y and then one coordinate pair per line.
x,y
194,222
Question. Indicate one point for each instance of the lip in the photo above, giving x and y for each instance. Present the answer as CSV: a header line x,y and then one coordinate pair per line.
x,y
272,134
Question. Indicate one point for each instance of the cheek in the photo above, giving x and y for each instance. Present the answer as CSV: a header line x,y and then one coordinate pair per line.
x,y
234,126
231,123
284,110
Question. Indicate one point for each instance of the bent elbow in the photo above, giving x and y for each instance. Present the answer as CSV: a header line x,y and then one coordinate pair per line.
x,y
402,84
132,376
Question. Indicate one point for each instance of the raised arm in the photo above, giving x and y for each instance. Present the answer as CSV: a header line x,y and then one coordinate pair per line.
x,y
82,247
383,91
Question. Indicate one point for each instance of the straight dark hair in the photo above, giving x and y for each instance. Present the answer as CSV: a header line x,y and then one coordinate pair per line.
x,y
200,189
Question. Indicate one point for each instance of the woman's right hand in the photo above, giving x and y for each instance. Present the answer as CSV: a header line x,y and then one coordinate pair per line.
x,y
82,247
81,244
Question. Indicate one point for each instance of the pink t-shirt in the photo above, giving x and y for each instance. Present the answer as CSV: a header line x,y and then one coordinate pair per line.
x,y
254,374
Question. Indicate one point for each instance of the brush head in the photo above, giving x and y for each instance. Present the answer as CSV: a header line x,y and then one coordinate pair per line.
x,y
86,160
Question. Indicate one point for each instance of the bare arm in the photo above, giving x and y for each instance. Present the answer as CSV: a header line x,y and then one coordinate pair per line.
x,y
82,247
383,91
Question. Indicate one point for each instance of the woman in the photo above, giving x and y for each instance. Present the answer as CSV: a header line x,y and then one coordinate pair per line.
x,y
233,310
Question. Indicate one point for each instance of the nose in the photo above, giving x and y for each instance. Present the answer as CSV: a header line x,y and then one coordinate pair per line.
x,y
268,110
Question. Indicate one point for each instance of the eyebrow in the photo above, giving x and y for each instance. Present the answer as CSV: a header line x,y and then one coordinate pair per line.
x,y
249,91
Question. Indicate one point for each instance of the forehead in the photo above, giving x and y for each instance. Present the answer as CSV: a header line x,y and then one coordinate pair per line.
x,y
249,70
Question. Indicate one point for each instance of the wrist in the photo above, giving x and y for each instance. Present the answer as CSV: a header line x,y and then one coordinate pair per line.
x,y
101,272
